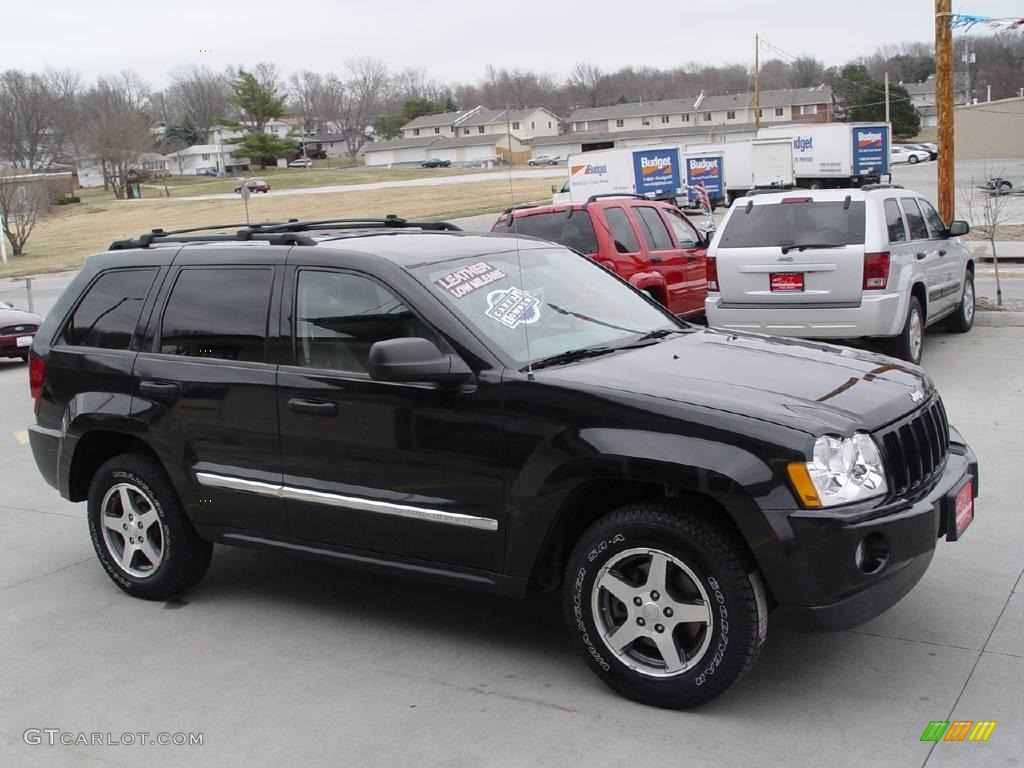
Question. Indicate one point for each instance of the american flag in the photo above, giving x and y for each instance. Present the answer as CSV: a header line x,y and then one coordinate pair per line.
x,y
703,199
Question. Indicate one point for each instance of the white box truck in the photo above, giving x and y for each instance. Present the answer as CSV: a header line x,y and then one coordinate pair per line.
x,y
731,169
836,155
653,172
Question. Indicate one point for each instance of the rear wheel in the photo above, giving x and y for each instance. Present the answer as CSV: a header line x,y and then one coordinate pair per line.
x,y
962,320
912,159
910,343
665,609
814,185
140,532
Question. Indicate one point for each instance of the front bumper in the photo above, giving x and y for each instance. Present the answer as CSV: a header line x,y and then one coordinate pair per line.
x,y
9,345
881,315
840,594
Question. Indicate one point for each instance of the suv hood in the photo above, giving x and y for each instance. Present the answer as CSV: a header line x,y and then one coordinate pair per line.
x,y
814,387
18,317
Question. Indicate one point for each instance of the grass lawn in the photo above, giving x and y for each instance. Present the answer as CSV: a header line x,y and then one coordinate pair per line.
x,y
294,178
62,240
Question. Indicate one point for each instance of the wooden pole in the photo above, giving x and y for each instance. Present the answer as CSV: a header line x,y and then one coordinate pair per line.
x,y
944,102
757,82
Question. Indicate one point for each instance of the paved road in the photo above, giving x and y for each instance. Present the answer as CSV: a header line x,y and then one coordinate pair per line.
x,y
427,181
923,178
279,661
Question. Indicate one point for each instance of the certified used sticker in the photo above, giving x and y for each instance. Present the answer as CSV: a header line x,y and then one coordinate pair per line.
x,y
513,307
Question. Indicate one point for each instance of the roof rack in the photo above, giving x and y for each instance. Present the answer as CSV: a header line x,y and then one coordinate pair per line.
x,y
773,190
881,185
274,232
603,195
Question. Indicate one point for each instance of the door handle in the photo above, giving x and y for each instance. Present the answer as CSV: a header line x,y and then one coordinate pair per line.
x,y
313,407
921,255
160,388
656,259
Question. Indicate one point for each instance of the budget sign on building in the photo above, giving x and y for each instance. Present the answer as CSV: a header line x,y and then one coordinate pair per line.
x,y
871,149
656,172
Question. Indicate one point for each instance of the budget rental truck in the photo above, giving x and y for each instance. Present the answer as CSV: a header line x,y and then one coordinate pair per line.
x,y
731,169
836,155
653,172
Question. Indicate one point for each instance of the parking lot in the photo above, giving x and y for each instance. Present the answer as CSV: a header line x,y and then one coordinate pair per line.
x,y
280,661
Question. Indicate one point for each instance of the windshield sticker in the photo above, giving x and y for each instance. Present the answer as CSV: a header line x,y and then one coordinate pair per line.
x,y
513,307
463,282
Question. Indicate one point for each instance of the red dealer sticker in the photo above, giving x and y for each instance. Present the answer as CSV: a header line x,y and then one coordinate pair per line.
x,y
786,281
964,508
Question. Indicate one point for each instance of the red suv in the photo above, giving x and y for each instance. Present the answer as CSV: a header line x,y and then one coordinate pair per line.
x,y
649,243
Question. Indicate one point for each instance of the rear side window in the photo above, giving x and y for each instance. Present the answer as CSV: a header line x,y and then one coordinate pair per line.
x,y
654,229
936,226
218,313
108,315
894,222
915,221
576,231
798,223
622,230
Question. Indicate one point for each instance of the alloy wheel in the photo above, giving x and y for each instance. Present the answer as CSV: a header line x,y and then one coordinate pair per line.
x,y
132,532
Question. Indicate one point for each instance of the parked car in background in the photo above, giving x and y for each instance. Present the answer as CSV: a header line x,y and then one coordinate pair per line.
x,y
875,262
302,162
436,162
207,172
651,244
545,160
254,185
933,153
17,330
904,155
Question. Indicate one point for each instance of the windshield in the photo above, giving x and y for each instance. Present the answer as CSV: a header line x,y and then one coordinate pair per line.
x,y
576,232
5,305
562,300
781,224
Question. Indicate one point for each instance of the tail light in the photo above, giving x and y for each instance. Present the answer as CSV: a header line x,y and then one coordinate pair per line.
x,y
36,376
876,271
711,270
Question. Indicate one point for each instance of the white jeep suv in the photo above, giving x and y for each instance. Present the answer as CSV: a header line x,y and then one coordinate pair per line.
x,y
871,262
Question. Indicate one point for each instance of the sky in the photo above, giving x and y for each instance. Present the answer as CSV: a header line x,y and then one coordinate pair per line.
x,y
453,40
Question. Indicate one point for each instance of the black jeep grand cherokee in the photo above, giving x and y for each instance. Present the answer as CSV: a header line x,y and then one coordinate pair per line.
x,y
496,412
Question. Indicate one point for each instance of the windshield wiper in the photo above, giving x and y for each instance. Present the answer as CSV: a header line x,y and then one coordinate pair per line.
x,y
805,246
572,356
660,333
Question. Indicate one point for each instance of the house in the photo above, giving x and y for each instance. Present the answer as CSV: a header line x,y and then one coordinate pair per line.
x,y
800,105
324,144
204,157
154,163
220,134
922,96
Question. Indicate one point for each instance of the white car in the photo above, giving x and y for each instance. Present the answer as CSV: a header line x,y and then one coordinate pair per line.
x,y
842,263
907,155
302,162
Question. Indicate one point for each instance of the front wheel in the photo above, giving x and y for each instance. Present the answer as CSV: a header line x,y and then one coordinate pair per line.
x,y
664,608
912,159
962,320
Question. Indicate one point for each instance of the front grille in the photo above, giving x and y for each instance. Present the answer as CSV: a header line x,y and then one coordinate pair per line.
x,y
11,330
915,448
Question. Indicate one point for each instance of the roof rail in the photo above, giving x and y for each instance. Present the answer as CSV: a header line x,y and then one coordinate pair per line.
x,y
772,190
592,198
881,185
274,232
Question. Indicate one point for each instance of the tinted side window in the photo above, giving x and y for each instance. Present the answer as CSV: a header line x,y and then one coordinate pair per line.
x,y
339,316
936,226
915,221
685,232
107,316
576,232
622,230
218,313
654,229
894,222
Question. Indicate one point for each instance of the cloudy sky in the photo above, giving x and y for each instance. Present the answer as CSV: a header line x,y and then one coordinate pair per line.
x,y
452,39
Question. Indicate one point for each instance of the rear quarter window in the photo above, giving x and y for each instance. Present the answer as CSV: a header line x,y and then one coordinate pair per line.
x,y
915,220
576,231
108,314
779,224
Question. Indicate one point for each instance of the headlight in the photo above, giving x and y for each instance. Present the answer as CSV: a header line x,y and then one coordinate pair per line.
x,y
844,469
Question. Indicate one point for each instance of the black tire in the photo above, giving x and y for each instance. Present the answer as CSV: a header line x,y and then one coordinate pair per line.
x,y
814,185
912,159
185,555
903,346
1004,186
736,603
962,320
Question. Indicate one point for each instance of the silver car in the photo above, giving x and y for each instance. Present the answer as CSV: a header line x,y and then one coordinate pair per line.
x,y
871,262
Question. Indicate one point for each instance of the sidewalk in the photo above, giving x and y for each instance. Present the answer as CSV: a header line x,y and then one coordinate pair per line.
x,y
1005,249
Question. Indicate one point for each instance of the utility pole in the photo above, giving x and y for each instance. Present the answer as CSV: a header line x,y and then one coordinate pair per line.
x,y
757,82
944,102
887,118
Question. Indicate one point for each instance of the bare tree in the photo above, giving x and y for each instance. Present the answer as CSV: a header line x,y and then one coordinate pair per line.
x,y
354,103
66,91
22,203
305,92
805,72
116,128
589,82
27,137
199,93
986,209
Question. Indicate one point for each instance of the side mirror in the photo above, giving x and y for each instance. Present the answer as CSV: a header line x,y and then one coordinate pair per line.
x,y
554,189
414,359
958,229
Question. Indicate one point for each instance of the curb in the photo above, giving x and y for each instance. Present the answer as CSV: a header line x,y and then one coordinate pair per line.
x,y
999,319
